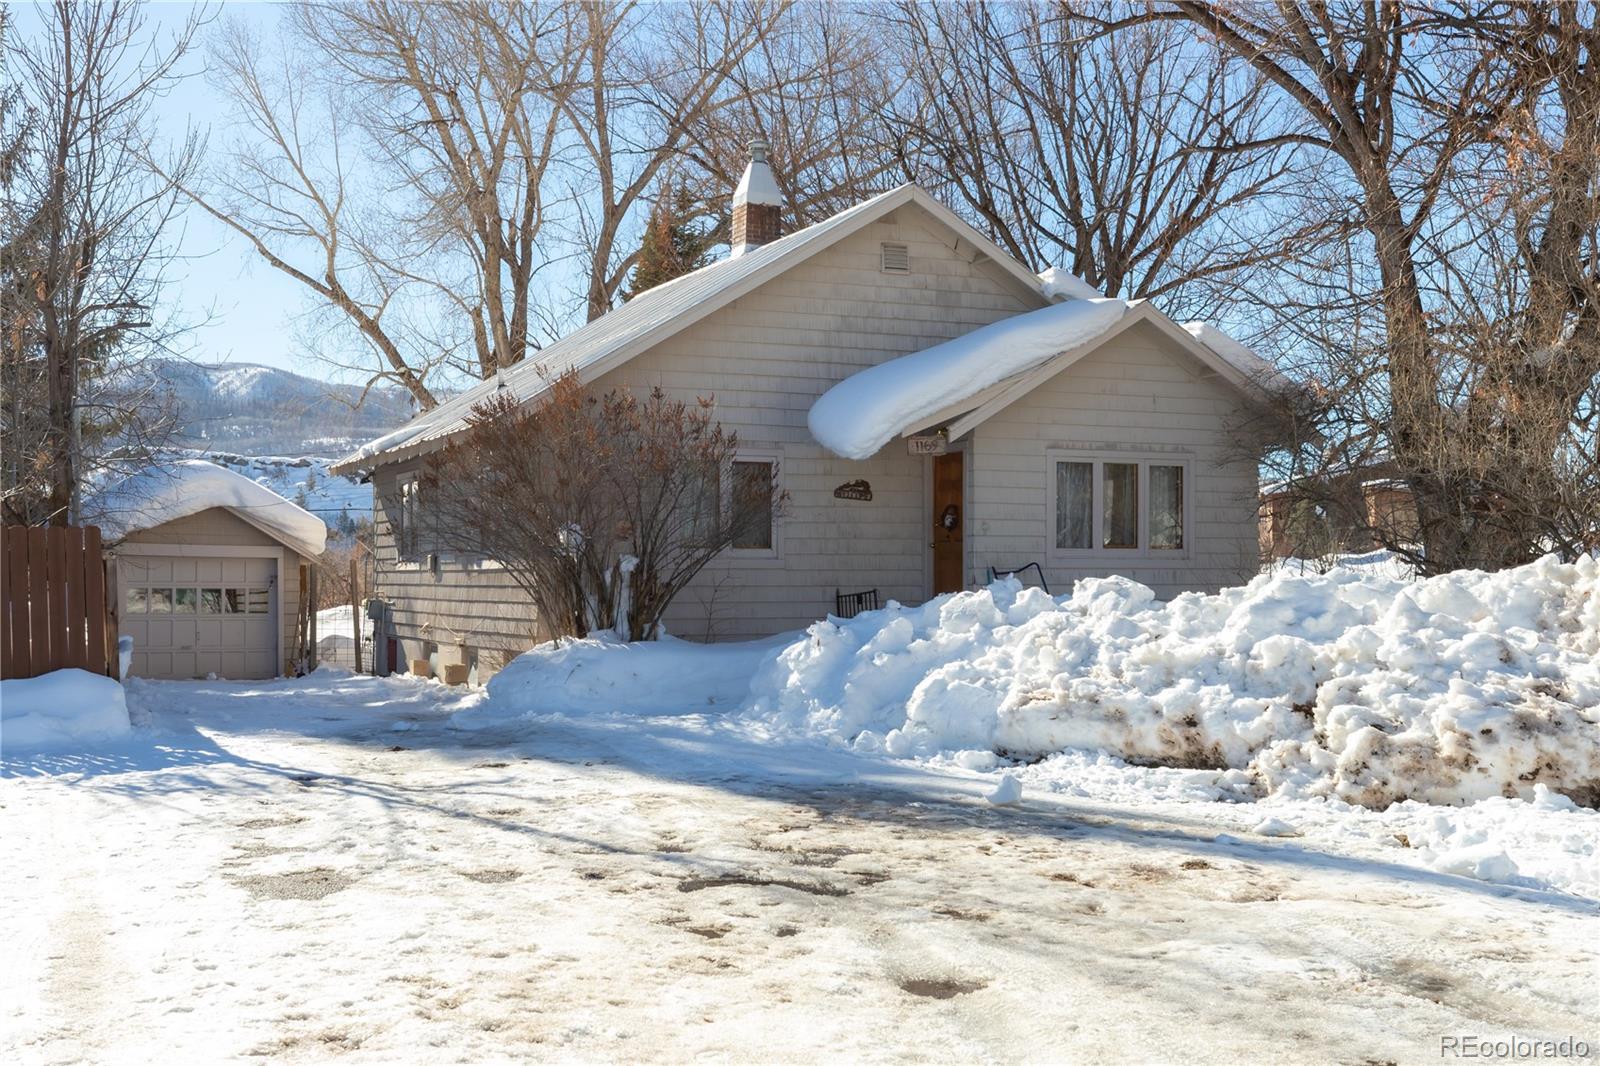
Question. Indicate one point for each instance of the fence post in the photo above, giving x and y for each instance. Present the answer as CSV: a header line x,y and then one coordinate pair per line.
x,y
355,606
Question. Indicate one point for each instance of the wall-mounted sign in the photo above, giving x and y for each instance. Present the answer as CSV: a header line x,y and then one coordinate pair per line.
x,y
930,444
859,489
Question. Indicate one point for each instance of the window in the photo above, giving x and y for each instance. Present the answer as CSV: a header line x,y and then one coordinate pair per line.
x,y
404,519
160,601
186,600
704,505
1166,507
210,601
138,601
752,498
233,601
1120,496
259,602
1118,505
1074,505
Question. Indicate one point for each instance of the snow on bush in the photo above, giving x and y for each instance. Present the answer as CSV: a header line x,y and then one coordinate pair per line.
x,y
62,709
1347,684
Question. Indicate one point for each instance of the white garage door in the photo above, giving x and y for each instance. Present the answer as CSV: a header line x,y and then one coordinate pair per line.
x,y
194,617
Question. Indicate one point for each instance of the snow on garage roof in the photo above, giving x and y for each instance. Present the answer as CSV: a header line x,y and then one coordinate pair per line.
x,y
867,410
176,490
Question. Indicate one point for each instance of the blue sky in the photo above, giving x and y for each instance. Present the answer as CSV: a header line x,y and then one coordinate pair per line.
x,y
245,308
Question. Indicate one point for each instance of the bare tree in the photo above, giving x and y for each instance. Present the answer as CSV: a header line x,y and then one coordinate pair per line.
x,y
650,74
602,508
394,159
817,88
1143,162
1459,330
85,219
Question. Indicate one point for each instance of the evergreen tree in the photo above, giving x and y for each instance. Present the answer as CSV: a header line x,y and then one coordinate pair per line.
x,y
675,242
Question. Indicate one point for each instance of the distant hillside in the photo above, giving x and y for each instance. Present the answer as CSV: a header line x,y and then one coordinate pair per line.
x,y
261,410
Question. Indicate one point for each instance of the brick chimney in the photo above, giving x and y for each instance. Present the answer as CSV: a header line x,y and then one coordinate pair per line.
x,y
757,203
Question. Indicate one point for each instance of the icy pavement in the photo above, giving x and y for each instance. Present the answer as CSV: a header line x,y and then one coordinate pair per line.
x,y
325,869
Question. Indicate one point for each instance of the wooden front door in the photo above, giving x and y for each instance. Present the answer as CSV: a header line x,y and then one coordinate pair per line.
x,y
949,518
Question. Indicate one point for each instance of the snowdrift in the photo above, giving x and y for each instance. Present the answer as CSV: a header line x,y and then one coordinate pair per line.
x,y
1349,684
601,674
63,709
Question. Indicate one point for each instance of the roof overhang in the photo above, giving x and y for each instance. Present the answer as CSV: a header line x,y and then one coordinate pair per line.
x,y
964,240
961,418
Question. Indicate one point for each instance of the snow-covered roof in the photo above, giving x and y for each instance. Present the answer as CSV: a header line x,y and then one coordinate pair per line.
x,y
1058,284
1238,356
653,316
657,314
176,490
867,410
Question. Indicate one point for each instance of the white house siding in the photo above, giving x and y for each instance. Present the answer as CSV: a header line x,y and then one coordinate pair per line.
x,y
766,358
1140,394
462,608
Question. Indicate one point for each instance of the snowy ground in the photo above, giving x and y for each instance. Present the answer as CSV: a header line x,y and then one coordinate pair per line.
x,y
332,868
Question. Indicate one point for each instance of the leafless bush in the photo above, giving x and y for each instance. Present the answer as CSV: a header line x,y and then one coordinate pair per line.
x,y
602,508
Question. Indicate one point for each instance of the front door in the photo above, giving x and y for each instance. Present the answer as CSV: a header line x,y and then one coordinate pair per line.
x,y
948,519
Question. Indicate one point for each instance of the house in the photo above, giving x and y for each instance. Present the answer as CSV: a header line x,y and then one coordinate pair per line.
x,y
1343,513
209,573
935,410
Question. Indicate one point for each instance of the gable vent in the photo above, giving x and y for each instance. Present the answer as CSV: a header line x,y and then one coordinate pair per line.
x,y
896,258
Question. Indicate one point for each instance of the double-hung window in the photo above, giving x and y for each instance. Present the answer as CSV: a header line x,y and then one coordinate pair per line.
x,y
1114,505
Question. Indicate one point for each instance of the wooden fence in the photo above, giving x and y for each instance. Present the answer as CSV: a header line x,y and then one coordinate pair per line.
x,y
53,602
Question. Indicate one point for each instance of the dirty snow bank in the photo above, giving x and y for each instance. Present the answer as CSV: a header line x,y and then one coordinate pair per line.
x,y
601,674
1350,685
62,709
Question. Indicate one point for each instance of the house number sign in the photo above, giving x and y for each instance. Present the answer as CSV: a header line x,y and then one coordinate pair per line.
x,y
930,444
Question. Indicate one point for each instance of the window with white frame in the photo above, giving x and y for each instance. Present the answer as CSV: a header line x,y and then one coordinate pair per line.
x,y
1111,504
751,492
405,518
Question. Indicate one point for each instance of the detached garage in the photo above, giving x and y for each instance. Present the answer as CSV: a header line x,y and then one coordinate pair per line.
x,y
209,573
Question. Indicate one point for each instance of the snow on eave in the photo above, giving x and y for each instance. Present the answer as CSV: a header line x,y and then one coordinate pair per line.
x,y
1255,369
1057,283
658,314
865,411
170,491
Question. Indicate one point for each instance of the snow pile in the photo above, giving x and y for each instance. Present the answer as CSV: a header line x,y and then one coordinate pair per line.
x,y
1348,684
601,674
62,709
864,412
176,490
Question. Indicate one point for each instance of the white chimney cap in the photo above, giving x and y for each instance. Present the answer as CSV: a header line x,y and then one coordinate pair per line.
x,y
758,186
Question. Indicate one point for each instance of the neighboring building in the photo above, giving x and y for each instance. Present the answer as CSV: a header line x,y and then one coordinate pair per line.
x,y
210,573
1090,436
1341,514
